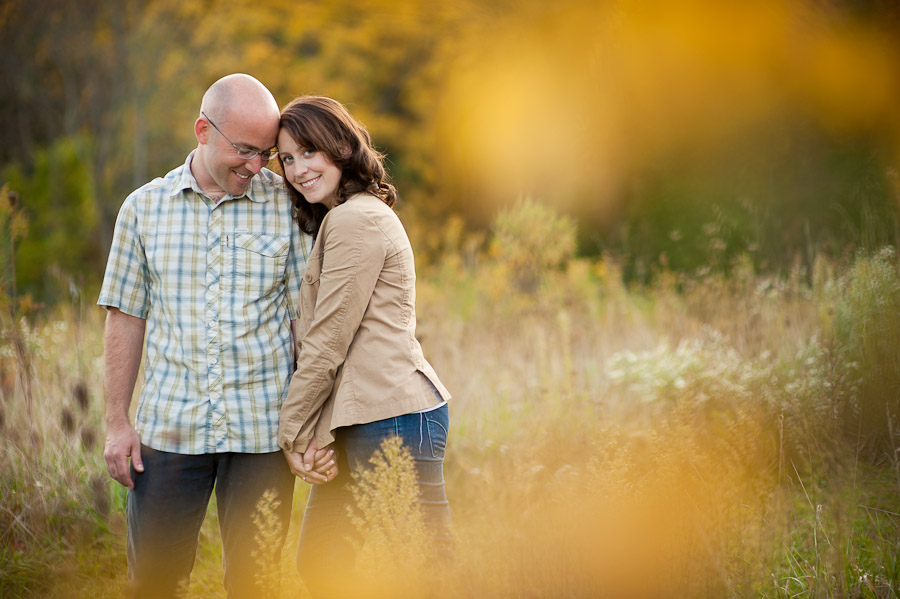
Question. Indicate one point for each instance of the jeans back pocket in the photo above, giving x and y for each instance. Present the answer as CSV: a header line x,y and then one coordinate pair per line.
x,y
438,425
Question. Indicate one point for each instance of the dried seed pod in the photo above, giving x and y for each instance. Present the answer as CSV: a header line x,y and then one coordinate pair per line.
x,y
82,398
88,438
68,421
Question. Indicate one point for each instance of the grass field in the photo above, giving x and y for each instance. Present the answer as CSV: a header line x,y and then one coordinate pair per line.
x,y
715,435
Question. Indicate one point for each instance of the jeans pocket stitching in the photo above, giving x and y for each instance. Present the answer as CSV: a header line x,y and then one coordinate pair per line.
x,y
431,438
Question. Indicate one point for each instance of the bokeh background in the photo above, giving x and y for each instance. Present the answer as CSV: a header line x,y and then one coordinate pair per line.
x,y
679,134
655,244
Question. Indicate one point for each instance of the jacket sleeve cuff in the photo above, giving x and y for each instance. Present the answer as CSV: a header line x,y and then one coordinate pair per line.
x,y
294,436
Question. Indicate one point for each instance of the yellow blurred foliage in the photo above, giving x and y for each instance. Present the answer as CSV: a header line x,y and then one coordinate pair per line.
x,y
580,95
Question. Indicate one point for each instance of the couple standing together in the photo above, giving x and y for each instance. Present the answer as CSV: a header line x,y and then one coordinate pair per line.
x,y
279,322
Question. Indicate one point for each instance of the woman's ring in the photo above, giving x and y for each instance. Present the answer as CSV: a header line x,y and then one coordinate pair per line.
x,y
304,478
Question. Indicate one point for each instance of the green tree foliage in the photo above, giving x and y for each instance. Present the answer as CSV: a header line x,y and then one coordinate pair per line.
x,y
780,199
78,80
58,195
13,226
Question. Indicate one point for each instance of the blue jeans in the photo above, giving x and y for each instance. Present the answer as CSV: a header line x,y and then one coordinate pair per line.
x,y
167,506
325,556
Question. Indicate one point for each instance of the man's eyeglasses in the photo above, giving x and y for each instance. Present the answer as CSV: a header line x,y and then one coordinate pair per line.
x,y
245,153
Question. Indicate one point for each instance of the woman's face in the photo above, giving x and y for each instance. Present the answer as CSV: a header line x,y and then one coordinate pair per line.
x,y
311,173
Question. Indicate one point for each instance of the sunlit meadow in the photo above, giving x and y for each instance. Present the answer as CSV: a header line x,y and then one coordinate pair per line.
x,y
705,437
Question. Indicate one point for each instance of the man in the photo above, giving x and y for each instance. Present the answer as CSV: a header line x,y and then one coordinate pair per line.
x,y
207,261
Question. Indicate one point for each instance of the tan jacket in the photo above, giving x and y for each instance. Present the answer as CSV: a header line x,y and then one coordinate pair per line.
x,y
358,358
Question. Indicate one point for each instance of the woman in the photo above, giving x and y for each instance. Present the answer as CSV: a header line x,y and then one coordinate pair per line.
x,y
361,375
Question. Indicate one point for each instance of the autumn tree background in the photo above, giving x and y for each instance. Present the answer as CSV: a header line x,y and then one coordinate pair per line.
x,y
680,134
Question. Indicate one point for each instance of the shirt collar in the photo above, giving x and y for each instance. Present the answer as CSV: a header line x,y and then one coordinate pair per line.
x,y
184,179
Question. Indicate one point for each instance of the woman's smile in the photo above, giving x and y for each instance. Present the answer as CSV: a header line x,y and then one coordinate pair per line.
x,y
310,182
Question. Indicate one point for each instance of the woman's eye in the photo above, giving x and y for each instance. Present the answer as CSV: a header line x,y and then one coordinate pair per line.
x,y
308,153
286,159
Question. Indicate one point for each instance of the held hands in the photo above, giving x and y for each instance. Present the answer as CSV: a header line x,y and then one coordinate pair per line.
x,y
122,442
315,466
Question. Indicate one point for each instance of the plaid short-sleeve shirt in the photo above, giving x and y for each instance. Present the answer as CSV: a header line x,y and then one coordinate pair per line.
x,y
217,284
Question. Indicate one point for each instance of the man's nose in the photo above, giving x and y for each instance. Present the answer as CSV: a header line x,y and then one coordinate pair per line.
x,y
255,164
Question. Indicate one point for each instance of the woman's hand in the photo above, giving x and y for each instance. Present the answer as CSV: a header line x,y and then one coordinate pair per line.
x,y
314,466
322,462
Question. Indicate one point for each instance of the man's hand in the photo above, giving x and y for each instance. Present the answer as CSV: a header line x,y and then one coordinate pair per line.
x,y
122,442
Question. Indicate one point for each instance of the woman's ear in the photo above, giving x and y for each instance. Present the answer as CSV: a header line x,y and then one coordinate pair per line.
x,y
346,151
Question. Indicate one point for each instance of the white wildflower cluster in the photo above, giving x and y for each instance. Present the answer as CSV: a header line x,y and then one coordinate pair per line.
x,y
771,287
819,381
695,370
7,349
812,382
35,338
32,340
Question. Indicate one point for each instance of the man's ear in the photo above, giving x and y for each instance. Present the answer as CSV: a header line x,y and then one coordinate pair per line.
x,y
201,130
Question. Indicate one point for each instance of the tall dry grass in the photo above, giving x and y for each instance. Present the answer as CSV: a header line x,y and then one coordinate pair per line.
x,y
59,516
692,438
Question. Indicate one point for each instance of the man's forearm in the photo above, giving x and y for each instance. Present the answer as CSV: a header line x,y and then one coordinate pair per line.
x,y
123,343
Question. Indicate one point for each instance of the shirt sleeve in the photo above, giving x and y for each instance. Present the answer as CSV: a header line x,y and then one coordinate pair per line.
x,y
125,280
353,257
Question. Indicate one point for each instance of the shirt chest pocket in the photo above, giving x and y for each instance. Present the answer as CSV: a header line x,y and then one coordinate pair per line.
x,y
257,263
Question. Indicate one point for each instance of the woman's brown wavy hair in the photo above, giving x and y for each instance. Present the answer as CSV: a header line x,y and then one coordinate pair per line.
x,y
324,125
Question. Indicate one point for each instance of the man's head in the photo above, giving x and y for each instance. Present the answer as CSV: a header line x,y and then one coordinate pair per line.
x,y
237,112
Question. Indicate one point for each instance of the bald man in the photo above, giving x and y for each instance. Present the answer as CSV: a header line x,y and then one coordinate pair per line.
x,y
203,274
